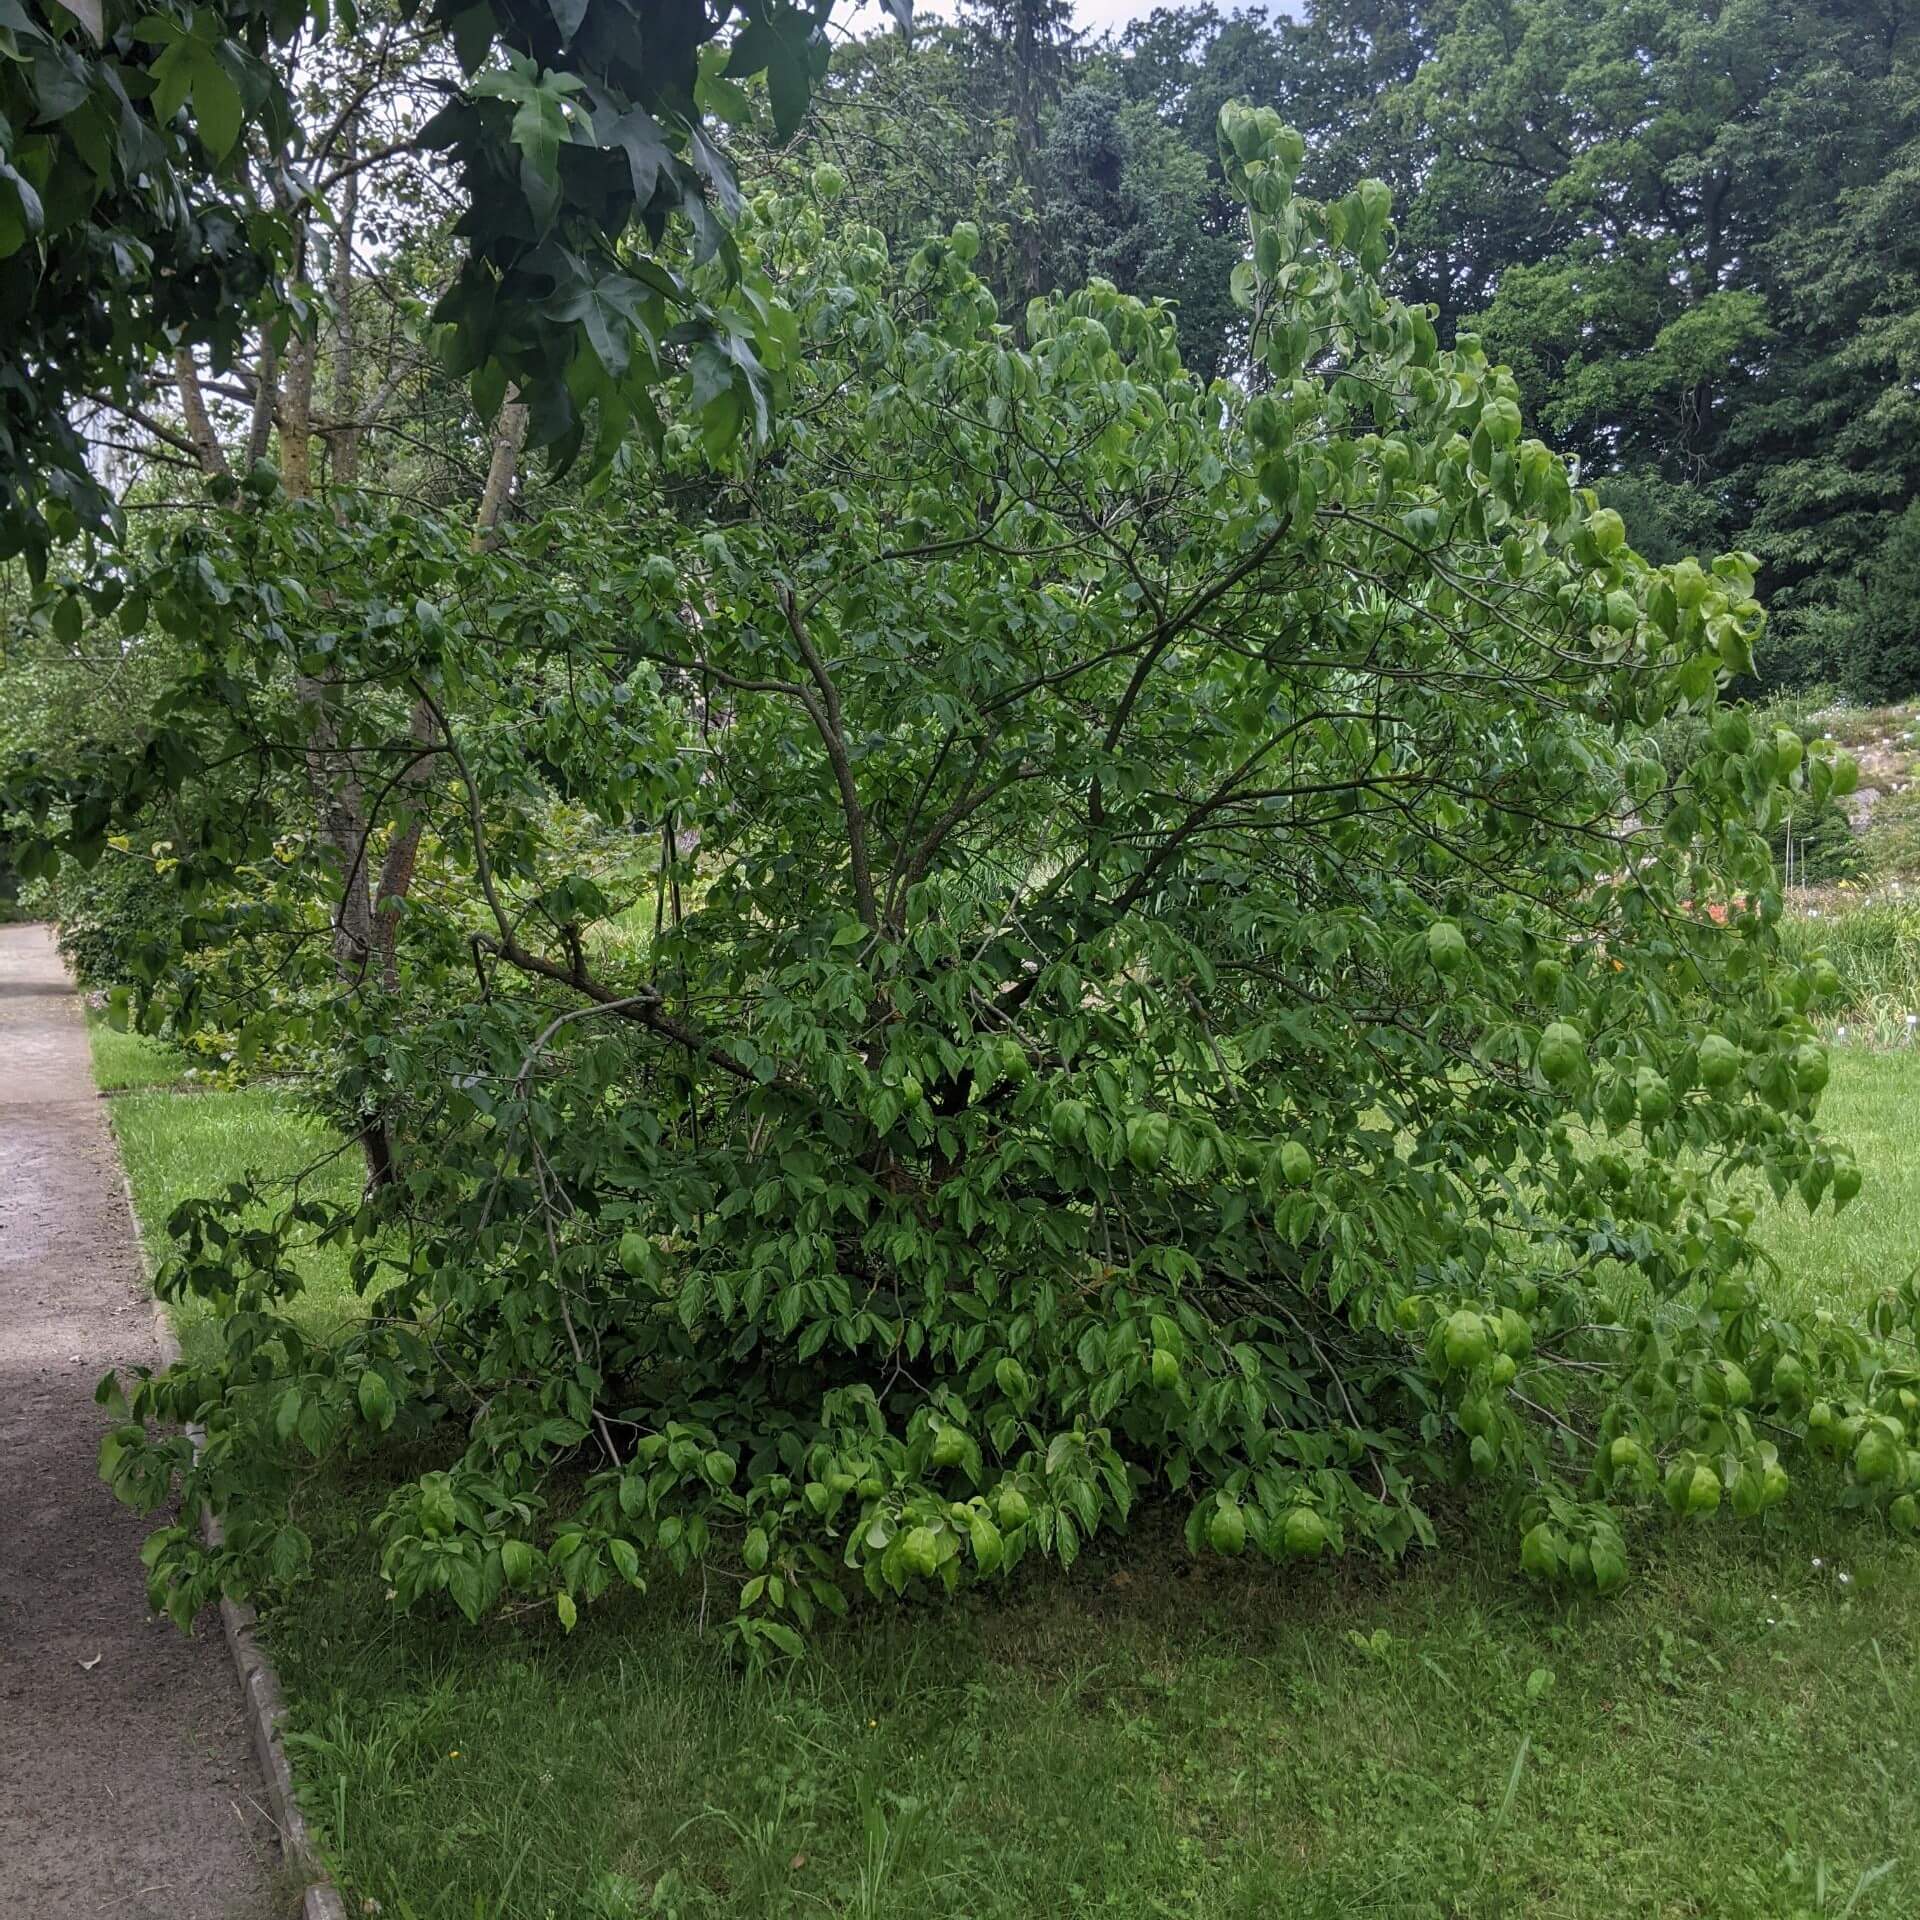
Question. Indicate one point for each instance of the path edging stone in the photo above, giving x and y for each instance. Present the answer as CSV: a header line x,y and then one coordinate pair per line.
x,y
266,1706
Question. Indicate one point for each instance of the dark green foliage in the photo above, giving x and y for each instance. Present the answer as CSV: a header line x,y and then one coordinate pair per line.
x,y
149,173
595,128
1687,228
1829,451
1704,286
1880,617
1824,846
124,222
118,920
1135,203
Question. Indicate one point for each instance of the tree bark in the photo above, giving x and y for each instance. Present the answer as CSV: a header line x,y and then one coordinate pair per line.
x,y
508,433
193,410
344,438
296,419
266,400
403,851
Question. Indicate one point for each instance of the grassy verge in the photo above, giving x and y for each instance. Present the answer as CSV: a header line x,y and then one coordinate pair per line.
x,y
128,1062
183,1145
1738,1734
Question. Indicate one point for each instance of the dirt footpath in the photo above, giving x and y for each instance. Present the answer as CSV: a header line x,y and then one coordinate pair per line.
x,y
127,1786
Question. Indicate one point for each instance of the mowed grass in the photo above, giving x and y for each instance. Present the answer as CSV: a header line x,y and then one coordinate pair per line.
x,y
180,1141
123,1061
1873,1105
1737,1734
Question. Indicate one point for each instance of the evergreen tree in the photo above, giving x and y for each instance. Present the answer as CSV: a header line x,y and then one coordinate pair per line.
x,y
1883,648
1022,52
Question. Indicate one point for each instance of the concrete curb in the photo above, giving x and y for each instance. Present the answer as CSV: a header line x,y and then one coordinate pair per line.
x,y
259,1684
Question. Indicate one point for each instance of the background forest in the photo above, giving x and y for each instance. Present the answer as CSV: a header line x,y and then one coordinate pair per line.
x,y
1688,228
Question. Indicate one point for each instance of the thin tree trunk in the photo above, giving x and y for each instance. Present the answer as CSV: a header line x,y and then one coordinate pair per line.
x,y
296,419
344,440
338,800
508,433
403,851
193,410
266,400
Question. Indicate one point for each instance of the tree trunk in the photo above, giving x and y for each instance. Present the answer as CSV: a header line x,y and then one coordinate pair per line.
x,y
193,410
403,851
332,778
266,400
508,432
296,420
344,439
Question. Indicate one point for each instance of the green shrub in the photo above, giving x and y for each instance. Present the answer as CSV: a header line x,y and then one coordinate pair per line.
x,y
1174,1010
118,920
1823,844
1892,838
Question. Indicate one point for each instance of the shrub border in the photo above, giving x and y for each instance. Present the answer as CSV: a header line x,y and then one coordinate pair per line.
x,y
260,1690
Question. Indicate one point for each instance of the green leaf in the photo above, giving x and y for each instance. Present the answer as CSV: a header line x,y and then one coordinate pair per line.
x,y
289,1554
723,98
517,1563
782,1636
217,110
376,1399
649,158
473,30
173,74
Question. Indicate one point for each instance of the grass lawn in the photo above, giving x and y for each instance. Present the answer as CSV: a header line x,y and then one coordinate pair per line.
x,y
181,1140
1737,1734
124,1062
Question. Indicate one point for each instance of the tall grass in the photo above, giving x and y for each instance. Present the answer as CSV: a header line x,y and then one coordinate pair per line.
x,y
1875,947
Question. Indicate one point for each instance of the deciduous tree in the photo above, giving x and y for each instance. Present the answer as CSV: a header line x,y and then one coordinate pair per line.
x,y
1177,973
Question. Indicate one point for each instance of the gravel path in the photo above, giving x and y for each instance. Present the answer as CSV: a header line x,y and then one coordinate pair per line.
x,y
127,1785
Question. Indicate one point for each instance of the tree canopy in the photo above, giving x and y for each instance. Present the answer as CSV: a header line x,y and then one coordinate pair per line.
x,y
159,186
